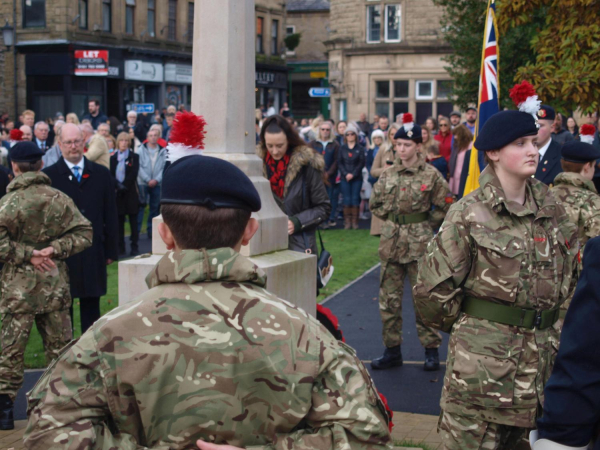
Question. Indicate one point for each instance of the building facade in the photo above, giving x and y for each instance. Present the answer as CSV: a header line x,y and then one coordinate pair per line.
x,y
140,51
385,57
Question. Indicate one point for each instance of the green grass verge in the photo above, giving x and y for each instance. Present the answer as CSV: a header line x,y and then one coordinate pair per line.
x,y
353,251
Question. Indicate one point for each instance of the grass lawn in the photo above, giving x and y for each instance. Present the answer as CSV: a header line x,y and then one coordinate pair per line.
x,y
353,251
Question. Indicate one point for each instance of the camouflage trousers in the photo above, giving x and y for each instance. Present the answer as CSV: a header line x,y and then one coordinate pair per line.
x,y
55,329
466,433
391,289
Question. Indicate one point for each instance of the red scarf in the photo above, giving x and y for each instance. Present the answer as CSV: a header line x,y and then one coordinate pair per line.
x,y
276,171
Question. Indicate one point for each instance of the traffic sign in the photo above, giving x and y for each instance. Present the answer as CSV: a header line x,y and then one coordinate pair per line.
x,y
143,107
319,92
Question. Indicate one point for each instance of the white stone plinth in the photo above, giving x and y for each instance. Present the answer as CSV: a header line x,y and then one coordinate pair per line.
x,y
290,275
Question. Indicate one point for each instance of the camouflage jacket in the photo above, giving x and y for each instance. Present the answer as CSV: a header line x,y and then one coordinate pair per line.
x,y
33,216
207,353
514,255
406,190
581,201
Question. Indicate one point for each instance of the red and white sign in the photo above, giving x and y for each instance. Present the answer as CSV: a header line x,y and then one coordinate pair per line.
x,y
91,63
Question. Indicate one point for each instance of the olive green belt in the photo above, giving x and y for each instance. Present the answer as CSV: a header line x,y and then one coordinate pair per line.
x,y
510,315
404,219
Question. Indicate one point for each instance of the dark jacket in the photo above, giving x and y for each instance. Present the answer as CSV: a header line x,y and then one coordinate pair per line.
x,y
95,198
549,166
330,155
441,165
351,161
95,121
305,200
572,394
562,136
128,197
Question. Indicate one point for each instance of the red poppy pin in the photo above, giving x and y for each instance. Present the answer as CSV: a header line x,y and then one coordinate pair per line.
x,y
350,155
542,113
449,200
85,175
423,187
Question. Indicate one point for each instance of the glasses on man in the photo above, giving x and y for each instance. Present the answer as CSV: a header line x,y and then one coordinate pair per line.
x,y
76,142
325,129
443,125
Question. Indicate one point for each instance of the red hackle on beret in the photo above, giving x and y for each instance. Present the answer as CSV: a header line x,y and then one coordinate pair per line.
x,y
407,118
521,92
16,135
188,129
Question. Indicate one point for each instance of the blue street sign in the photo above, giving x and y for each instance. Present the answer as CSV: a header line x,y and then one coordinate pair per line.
x,y
143,107
319,92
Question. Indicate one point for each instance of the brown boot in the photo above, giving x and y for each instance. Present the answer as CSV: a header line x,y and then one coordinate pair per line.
x,y
355,210
347,217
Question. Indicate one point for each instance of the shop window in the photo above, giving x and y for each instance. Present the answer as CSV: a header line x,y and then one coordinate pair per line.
x,y
274,36
34,13
152,18
46,105
392,23
259,34
444,89
106,15
190,31
400,88
424,90
172,20
129,16
382,89
83,14
424,110
373,23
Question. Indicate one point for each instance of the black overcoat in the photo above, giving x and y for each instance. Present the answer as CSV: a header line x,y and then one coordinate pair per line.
x,y
128,201
95,198
549,166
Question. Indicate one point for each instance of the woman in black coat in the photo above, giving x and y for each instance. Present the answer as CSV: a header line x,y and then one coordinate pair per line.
x,y
124,167
351,160
296,173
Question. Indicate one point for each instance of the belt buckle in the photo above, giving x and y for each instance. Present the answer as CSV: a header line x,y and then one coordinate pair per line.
x,y
538,319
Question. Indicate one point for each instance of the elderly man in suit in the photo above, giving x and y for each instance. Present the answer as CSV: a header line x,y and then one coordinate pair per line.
x,y
549,164
91,187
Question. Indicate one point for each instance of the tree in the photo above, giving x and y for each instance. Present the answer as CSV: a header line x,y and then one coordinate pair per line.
x,y
292,41
566,68
463,23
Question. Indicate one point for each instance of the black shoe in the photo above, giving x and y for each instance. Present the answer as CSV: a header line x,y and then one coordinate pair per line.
x,y
134,251
392,357
122,250
7,421
432,360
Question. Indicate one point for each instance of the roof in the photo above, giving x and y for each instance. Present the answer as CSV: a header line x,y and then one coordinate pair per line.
x,y
307,5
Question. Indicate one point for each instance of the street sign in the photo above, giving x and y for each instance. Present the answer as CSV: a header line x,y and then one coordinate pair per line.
x,y
319,92
143,108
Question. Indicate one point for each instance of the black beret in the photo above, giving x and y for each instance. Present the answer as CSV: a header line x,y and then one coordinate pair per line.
x,y
412,135
503,128
25,151
579,152
546,112
209,182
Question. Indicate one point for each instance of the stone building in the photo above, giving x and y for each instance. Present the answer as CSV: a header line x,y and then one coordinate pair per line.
x,y
144,54
385,57
308,63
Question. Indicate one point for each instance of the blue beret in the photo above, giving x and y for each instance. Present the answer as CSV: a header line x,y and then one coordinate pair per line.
x,y
412,135
579,152
25,151
546,112
503,128
209,182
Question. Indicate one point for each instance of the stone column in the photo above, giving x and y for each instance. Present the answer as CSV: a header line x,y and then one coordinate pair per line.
x,y
223,92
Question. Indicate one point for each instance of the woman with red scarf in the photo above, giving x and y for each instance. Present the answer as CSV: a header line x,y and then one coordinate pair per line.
x,y
296,175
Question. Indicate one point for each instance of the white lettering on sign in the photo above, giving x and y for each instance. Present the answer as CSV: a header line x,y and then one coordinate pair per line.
x,y
91,54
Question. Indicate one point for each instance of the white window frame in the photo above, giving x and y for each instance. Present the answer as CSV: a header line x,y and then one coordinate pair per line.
x,y
399,6
424,97
378,41
287,30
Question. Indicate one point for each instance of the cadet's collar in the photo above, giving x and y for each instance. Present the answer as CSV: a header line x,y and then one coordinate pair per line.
x,y
574,179
197,266
416,167
28,179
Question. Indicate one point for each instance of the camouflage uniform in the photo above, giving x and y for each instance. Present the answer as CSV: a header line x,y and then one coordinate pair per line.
x,y
401,191
507,254
34,216
207,353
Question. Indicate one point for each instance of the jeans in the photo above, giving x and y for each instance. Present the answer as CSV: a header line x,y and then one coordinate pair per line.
x,y
151,197
333,191
351,191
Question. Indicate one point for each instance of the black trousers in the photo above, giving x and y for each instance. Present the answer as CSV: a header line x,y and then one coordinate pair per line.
x,y
89,309
134,231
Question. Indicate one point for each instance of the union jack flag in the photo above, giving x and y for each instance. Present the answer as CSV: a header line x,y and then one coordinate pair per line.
x,y
489,87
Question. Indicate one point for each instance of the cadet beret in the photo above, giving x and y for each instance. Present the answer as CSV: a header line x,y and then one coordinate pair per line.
x,y
503,128
25,151
546,112
209,182
579,152
409,129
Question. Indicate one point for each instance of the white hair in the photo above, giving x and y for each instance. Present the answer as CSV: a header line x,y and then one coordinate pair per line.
x,y
41,122
132,113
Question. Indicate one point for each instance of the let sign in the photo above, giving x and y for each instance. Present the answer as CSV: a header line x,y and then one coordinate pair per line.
x,y
91,63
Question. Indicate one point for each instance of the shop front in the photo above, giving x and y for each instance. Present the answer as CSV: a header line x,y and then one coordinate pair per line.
x,y
178,85
271,86
143,82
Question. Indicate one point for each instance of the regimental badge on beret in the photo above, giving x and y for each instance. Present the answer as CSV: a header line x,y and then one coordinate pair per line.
x,y
537,124
410,134
542,113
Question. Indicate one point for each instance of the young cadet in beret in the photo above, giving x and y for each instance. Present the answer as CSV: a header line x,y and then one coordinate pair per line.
x,y
39,228
412,197
494,277
207,357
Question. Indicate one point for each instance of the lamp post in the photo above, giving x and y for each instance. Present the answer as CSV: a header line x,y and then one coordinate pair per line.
x,y
9,35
